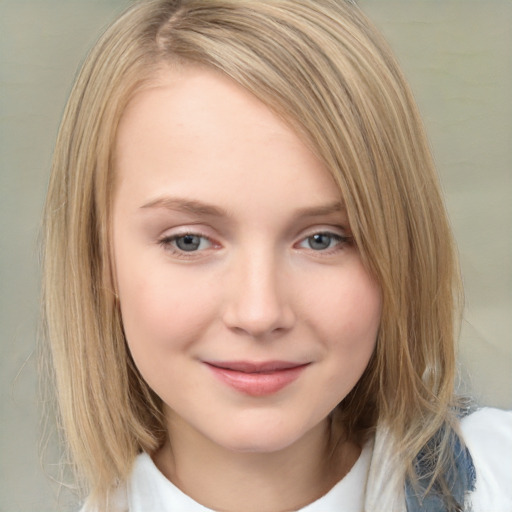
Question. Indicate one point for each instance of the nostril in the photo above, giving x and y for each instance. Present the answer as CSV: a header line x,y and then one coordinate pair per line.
x,y
259,323
258,302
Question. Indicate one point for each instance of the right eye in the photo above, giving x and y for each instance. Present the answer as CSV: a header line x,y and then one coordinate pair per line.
x,y
186,243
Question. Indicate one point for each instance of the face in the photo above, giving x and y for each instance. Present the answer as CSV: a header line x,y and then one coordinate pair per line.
x,y
244,300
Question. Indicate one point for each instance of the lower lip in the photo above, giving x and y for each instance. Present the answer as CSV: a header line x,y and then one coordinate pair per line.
x,y
258,384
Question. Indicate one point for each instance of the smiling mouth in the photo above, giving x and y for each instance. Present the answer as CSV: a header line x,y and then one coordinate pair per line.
x,y
257,379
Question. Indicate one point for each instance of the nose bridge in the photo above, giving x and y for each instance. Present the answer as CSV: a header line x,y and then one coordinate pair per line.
x,y
258,301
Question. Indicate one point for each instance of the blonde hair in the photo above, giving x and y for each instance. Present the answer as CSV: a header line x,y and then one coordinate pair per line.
x,y
324,68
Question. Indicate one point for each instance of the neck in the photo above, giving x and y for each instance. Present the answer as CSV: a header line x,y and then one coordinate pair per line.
x,y
226,480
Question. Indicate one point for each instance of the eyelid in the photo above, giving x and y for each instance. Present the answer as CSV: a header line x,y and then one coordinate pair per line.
x,y
167,242
336,232
189,228
327,229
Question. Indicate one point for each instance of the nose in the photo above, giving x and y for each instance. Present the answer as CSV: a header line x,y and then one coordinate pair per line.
x,y
258,297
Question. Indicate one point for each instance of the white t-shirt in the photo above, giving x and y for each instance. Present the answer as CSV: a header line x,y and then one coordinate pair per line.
x,y
487,433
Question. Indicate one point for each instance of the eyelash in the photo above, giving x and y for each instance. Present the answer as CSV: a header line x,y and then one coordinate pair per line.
x,y
168,243
341,241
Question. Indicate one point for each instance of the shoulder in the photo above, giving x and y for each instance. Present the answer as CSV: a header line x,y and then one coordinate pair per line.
x,y
147,489
488,437
116,502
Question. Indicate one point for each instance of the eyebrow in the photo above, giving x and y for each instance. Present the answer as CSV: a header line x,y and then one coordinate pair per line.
x,y
186,205
200,208
323,210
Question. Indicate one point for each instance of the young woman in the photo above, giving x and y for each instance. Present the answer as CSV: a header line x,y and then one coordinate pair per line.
x,y
249,280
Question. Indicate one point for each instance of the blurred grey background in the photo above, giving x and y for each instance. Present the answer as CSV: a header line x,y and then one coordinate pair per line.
x,y
457,55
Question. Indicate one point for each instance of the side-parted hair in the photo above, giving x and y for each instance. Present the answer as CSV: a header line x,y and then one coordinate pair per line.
x,y
322,67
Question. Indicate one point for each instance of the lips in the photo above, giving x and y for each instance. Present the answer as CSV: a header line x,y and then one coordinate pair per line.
x,y
257,378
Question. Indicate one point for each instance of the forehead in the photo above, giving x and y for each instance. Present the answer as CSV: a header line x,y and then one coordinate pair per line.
x,y
193,126
194,98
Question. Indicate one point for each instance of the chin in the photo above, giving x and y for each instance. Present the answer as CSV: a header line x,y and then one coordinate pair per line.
x,y
262,438
253,445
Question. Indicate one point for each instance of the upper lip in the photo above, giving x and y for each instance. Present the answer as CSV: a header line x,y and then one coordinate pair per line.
x,y
255,367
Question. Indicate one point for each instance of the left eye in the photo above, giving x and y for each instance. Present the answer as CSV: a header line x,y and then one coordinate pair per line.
x,y
321,241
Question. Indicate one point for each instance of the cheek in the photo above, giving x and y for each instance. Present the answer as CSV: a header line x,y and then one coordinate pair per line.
x,y
161,309
349,322
363,313
350,311
163,319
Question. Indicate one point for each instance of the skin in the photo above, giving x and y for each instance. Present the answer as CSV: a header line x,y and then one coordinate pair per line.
x,y
199,155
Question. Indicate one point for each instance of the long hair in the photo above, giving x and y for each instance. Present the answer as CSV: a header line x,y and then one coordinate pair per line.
x,y
322,67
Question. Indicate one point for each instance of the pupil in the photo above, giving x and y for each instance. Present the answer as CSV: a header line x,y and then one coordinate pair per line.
x,y
319,241
188,242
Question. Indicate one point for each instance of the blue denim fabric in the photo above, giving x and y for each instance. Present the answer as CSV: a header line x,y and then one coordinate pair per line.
x,y
460,480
